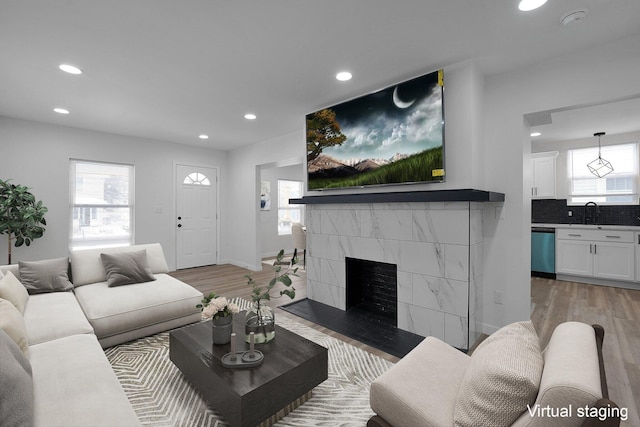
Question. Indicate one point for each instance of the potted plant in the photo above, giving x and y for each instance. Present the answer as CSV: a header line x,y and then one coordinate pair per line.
x,y
260,318
21,217
221,312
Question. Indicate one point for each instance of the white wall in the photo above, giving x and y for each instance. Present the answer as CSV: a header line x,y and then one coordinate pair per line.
x,y
562,181
604,73
271,242
244,166
37,155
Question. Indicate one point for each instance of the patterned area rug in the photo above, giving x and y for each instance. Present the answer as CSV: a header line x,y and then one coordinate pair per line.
x,y
162,397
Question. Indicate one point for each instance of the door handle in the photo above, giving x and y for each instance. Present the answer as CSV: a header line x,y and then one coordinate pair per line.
x,y
179,218
179,225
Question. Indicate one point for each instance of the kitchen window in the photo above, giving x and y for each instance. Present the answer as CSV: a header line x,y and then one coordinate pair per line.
x,y
620,187
101,204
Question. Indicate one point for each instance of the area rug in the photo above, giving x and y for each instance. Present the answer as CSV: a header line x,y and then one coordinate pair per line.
x,y
162,397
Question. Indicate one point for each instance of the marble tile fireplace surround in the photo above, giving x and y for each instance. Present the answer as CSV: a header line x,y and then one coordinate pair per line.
x,y
433,237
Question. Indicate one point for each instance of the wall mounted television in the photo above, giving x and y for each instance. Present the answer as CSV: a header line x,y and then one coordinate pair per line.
x,y
389,137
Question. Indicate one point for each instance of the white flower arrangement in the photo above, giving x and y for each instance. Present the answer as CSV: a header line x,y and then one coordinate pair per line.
x,y
215,307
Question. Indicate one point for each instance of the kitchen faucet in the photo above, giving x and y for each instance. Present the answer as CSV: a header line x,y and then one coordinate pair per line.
x,y
593,218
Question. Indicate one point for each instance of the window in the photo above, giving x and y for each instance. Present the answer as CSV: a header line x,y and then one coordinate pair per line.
x,y
288,214
620,187
196,178
101,204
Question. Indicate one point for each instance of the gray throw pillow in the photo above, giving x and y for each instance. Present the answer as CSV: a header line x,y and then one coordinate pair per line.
x,y
126,268
16,385
51,275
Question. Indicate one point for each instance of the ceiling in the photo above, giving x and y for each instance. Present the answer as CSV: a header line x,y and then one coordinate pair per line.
x,y
616,117
171,70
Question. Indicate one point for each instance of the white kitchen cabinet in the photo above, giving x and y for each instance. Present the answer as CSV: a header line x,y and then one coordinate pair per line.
x,y
604,254
574,257
543,167
614,261
637,250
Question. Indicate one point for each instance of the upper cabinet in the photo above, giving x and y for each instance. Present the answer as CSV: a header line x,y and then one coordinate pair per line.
x,y
543,167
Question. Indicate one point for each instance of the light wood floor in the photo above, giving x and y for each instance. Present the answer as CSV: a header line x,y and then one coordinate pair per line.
x,y
553,302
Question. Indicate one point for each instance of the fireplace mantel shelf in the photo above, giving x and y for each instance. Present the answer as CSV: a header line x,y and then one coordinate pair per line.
x,y
462,195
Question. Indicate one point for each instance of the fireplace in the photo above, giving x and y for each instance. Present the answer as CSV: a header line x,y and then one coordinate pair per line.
x,y
373,287
435,238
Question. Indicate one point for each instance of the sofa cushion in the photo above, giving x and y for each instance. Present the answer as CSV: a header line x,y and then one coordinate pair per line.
x,y
50,275
13,268
403,401
113,311
502,378
74,385
126,268
87,268
12,290
16,385
12,322
571,377
55,315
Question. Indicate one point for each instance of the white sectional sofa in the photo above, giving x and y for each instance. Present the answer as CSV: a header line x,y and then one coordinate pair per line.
x,y
65,333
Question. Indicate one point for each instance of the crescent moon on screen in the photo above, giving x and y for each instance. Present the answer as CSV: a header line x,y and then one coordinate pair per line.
x,y
399,102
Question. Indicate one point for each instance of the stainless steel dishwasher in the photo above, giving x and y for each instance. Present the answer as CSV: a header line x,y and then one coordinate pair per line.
x,y
543,252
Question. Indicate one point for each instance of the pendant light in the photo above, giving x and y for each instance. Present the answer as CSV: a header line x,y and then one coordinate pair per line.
x,y
600,167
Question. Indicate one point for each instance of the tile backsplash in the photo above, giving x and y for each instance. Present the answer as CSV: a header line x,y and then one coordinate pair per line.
x,y
551,211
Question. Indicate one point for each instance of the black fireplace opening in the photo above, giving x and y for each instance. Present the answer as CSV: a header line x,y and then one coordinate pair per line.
x,y
373,287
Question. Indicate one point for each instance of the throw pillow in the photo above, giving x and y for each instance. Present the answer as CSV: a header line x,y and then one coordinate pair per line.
x,y
16,385
503,376
51,275
126,268
12,323
12,290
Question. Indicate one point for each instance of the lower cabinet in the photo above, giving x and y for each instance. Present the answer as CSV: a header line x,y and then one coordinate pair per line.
x,y
604,254
614,261
637,245
574,257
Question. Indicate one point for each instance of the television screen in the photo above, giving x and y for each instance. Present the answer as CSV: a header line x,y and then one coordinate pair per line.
x,y
392,136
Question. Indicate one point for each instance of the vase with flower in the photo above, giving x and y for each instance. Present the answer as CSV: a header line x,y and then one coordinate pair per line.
x,y
221,312
260,318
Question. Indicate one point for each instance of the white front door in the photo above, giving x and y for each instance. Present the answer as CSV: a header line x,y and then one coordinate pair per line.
x,y
196,208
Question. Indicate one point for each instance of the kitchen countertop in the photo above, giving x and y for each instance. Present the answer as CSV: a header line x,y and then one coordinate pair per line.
x,y
590,226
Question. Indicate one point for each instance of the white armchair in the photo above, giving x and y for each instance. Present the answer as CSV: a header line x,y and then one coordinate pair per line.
x,y
507,380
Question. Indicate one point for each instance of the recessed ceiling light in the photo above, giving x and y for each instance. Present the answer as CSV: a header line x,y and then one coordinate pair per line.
x,y
250,116
343,76
61,110
535,134
70,69
527,5
203,136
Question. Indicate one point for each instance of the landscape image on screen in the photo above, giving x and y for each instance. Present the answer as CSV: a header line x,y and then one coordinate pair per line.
x,y
392,136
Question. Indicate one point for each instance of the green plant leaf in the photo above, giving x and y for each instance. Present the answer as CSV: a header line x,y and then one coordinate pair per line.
x,y
286,280
291,293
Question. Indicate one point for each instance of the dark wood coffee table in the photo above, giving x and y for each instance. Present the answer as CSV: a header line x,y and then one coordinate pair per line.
x,y
292,367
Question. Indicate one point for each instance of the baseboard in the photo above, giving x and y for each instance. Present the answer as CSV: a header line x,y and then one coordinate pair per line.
x,y
598,281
